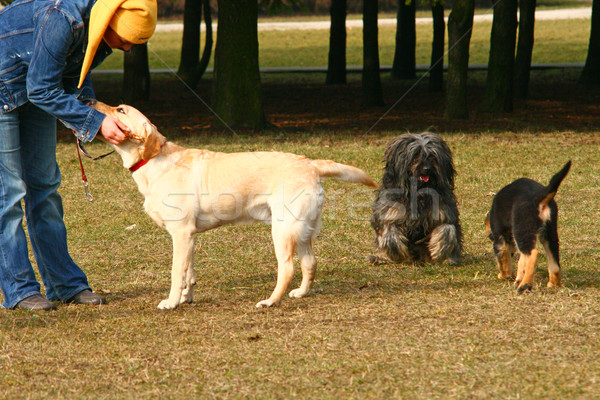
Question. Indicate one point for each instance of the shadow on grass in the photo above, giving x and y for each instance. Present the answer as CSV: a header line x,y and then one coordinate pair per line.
x,y
141,292
556,103
581,279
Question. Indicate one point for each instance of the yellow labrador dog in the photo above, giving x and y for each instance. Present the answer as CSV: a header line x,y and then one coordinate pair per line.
x,y
188,191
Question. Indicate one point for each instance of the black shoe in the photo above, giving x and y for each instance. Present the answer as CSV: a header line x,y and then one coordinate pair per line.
x,y
36,302
87,297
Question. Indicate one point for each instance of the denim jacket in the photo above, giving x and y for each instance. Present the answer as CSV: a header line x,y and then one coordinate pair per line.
x,y
42,44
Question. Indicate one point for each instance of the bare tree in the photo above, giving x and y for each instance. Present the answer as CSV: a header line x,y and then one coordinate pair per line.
x,y
192,66
524,47
404,64
460,26
436,70
591,70
136,74
372,94
500,77
336,69
236,84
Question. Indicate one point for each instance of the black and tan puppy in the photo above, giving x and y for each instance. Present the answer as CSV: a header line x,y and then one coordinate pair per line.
x,y
520,212
415,216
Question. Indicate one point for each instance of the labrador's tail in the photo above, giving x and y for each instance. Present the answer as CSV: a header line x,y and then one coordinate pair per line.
x,y
346,173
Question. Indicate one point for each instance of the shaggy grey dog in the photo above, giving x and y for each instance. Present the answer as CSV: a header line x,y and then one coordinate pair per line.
x,y
415,217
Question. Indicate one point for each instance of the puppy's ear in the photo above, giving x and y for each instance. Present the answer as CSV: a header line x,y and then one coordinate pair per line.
x,y
153,143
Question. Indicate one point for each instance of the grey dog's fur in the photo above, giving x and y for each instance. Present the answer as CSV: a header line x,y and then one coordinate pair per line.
x,y
415,216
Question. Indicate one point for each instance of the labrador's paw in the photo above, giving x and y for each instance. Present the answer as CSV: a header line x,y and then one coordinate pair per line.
x,y
186,297
267,303
298,293
167,305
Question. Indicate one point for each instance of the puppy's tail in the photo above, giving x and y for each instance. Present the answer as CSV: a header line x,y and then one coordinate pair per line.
x,y
346,173
549,191
555,182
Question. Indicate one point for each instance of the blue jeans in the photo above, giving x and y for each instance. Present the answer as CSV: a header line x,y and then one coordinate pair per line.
x,y
29,172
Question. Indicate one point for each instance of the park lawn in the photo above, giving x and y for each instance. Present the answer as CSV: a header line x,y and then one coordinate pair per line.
x,y
365,331
561,41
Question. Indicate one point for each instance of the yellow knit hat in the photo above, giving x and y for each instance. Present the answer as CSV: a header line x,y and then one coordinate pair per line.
x,y
132,20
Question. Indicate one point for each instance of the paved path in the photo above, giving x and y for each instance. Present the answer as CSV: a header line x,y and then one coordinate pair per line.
x,y
570,13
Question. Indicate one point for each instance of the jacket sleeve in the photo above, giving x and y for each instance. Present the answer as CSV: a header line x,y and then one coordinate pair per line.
x,y
85,93
53,37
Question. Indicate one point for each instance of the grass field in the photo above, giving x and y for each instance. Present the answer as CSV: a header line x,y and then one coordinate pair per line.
x,y
365,332
304,48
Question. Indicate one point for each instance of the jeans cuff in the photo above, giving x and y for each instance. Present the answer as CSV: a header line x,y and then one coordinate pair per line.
x,y
21,298
73,293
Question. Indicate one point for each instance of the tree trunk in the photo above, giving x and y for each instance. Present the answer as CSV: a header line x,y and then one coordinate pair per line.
x,y
591,71
404,65
524,47
336,69
460,26
236,84
191,68
436,70
136,74
498,95
372,94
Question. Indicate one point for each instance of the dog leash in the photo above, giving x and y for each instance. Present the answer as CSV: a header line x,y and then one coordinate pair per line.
x,y
84,179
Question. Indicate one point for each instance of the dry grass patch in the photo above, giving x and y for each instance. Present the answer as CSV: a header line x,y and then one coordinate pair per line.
x,y
365,332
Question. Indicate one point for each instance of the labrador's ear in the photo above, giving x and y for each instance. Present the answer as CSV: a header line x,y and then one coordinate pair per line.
x,y
102,107
153,143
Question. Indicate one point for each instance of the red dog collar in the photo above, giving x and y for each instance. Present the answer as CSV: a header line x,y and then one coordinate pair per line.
x,y
138,165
